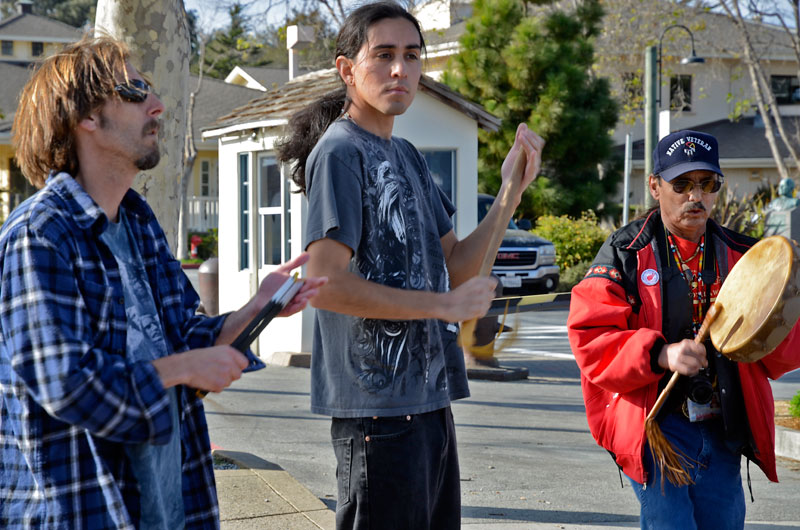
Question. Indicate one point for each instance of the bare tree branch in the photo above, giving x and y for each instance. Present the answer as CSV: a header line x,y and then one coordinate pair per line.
x,y
765,99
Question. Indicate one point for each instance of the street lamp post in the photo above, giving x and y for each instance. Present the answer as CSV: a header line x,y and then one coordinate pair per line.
x,y
652,100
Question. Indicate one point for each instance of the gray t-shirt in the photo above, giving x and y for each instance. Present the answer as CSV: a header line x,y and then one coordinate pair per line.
x,y
157,468
377,197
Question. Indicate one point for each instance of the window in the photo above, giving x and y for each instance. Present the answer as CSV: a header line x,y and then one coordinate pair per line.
x,y
270,211
7,47
680,92
244,211
442,165
37,49
633,90
786,89
204,178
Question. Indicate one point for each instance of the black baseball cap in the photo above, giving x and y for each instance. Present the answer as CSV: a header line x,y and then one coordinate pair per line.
x,y
684,151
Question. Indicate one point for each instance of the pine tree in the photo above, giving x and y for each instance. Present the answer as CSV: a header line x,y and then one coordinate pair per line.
x,y
537,70
233,46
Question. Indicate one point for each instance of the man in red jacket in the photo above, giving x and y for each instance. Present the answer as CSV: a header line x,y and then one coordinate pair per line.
x,y
631,324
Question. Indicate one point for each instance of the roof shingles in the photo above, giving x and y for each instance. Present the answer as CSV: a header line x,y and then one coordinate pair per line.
x,y
296,94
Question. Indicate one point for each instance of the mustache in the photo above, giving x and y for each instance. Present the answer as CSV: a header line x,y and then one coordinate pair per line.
x,y
151,125
693,206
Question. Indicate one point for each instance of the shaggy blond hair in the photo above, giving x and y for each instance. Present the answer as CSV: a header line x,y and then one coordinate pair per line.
x,y
61,92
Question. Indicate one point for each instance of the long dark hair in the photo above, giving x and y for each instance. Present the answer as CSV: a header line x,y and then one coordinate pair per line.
x,y
307,126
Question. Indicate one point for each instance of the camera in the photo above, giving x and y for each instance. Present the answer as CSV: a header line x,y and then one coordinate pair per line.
x,y
700,390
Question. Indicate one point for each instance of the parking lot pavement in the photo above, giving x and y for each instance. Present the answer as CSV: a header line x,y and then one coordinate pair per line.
x,y
527,458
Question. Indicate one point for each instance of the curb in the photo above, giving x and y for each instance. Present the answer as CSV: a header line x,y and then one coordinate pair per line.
x,y
787,442
289,358
497,373
260,494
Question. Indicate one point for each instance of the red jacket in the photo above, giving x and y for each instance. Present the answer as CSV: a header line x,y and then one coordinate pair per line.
x,y
615,320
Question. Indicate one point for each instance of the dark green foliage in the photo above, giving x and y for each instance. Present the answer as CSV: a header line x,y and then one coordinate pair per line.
x,y
237,45
194,36
537,70
208,247
233,46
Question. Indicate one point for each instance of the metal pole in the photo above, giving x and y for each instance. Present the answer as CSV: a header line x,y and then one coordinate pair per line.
x,y
650,118
626,186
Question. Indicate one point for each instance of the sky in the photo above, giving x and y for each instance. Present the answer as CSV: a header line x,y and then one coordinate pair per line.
x,y
213,15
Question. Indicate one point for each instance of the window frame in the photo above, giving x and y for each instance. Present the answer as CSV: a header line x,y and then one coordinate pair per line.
x,y
244,210
205,178
453,169
793,88
264,212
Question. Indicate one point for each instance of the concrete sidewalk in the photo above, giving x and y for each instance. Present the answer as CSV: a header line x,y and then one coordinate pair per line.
x,y
261,494
527,458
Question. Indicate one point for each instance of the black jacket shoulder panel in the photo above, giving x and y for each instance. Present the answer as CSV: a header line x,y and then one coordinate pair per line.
x,y
636,235
736,241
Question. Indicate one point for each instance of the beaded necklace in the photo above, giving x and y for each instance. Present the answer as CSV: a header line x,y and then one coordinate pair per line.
x,y
693,279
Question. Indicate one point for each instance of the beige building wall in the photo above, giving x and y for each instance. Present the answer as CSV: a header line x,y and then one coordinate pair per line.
x,y
23,50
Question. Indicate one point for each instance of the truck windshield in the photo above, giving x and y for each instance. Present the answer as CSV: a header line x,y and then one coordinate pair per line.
x,y
484,205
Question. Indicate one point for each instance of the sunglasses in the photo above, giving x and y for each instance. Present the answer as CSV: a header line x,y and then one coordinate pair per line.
x,y
133,91
711,185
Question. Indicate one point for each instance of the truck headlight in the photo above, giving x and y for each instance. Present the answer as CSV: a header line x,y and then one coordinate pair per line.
x,y
547,255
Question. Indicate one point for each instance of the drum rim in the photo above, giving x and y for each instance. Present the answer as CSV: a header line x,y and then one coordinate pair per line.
x,y
745,346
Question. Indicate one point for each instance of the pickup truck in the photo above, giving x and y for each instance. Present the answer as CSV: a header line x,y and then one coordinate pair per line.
x,y
525,263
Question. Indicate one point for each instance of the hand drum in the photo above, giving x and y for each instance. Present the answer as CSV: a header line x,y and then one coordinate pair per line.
x,y
760,301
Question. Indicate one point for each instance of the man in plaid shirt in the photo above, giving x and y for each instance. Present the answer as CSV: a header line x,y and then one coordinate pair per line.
x,y
100,347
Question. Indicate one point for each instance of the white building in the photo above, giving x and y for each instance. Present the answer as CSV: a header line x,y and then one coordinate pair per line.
x,y
699,96
262,222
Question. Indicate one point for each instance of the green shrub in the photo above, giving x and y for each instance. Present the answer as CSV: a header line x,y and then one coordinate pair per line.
x,y
794,405
208,246
570,277
576,240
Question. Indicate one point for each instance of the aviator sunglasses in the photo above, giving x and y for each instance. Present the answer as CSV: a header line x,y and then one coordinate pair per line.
x,y
133,91
711,185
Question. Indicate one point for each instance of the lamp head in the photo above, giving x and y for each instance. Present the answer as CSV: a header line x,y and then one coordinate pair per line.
x,y
693,59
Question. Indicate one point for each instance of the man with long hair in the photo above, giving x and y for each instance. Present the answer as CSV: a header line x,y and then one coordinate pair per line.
x,y
385,362
102,352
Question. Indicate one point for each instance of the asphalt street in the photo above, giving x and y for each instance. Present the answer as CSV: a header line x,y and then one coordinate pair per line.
x,y
527,458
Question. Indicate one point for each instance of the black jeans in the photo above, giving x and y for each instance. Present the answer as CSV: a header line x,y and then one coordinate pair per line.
x,y
398,472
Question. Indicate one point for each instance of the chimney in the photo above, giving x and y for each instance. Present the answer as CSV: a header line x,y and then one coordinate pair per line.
x,y
24,7
297,38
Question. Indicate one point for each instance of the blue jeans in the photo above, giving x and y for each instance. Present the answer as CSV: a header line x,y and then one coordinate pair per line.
x,y
715,500
397,472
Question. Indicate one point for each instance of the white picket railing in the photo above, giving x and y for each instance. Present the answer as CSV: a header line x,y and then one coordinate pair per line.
x,y
203,213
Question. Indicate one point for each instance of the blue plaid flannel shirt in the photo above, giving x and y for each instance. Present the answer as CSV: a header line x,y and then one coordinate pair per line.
x,y
69,397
